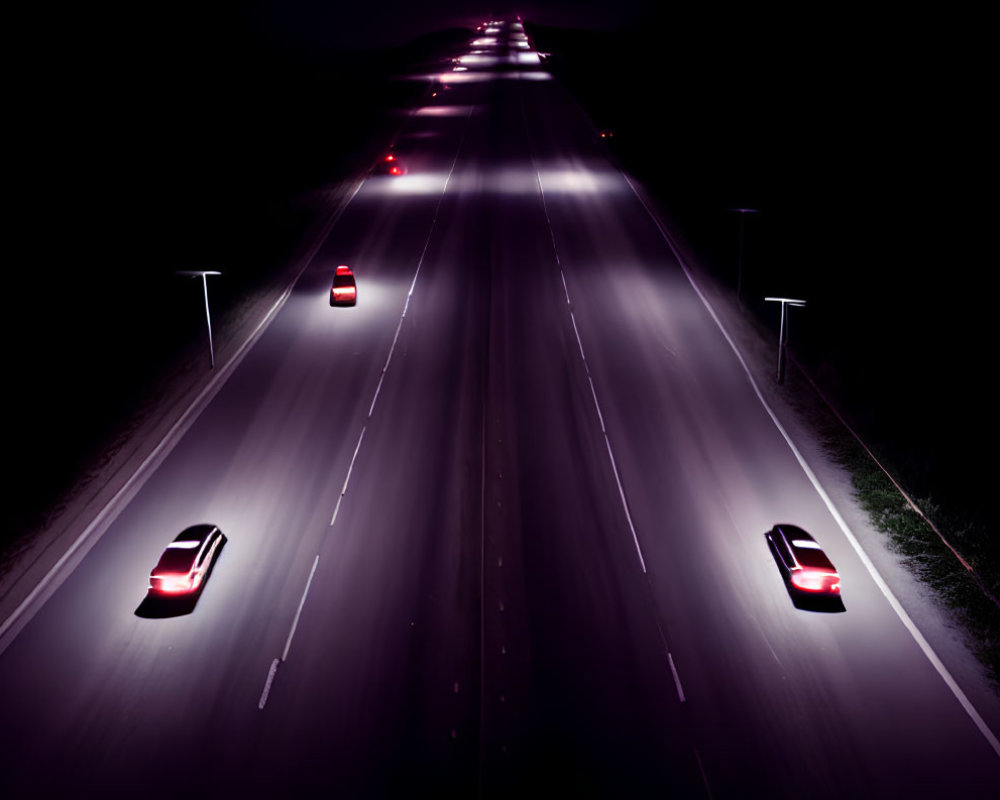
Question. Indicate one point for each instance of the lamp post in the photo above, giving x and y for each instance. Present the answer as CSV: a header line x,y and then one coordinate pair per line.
x,y
783,333
204,273
739,264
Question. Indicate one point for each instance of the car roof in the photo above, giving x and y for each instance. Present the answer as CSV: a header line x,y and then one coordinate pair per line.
x,y
813,557
793,531
195,533
805,548
175,560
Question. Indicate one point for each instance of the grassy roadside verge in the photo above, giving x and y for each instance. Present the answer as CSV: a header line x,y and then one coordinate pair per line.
x,y
967,594
917,537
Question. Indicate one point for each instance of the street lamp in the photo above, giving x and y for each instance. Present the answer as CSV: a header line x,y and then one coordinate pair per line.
x,y
739,264
204,282
783,333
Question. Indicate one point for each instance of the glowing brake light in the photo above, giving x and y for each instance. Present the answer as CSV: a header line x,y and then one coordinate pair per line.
x,y
176,584
813,581
391,165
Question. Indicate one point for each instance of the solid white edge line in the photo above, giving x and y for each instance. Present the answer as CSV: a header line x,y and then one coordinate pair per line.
x,y
908,623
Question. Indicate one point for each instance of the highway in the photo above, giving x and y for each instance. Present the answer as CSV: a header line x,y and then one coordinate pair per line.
x,y
497,528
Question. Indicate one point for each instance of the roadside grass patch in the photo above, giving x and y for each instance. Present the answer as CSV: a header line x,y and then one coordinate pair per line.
x,y
970,596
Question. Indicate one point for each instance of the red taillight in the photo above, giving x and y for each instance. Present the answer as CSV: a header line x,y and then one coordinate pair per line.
x,y
812,581
173,584
391,165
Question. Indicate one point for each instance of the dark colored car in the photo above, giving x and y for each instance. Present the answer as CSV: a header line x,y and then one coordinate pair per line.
x,y
187,561
344,291
806,566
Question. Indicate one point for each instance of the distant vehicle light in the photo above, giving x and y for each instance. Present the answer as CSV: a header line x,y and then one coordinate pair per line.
x,y
344,291
390,165
177,584
813,581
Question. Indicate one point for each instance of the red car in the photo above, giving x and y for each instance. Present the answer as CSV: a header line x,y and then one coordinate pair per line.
x,y
344,291
187,561
803,561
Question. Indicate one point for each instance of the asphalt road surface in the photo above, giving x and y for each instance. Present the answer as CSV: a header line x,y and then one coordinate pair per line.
x,y
498,528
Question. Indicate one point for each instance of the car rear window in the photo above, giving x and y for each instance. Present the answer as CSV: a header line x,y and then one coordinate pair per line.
x,y
176,560
812,556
